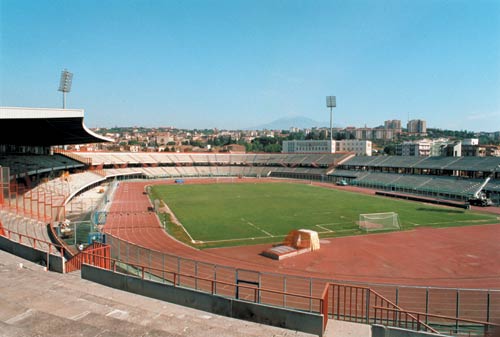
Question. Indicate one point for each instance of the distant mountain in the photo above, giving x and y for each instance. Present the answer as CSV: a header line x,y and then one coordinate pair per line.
x,y
286,123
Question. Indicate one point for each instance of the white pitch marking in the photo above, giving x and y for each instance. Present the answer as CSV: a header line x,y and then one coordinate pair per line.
x,y
254,226
326,229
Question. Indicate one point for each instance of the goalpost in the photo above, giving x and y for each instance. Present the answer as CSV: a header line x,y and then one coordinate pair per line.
x,y
379,221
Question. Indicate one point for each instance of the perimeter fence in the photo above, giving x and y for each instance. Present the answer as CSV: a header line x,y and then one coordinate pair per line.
x,y
98,216
472,304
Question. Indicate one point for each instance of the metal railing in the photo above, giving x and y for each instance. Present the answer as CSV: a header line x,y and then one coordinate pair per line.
x,y
35,243
339,301
449,325
248,292
97,254
476,304
356,304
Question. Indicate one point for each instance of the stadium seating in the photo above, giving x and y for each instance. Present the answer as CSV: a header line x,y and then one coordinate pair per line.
x,y
483,164
26,226
452,185
166,158
35,164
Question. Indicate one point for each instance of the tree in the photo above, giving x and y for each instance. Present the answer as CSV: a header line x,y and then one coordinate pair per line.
x,y
196,143
272,148
390,149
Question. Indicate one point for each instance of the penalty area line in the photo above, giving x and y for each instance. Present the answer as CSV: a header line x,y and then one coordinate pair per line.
x,y
326,229
242,239
258,228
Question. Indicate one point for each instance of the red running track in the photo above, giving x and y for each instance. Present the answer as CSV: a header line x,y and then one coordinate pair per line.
x,y
464,257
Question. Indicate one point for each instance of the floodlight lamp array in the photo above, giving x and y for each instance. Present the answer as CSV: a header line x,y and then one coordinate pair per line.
x,y
331,101
65,83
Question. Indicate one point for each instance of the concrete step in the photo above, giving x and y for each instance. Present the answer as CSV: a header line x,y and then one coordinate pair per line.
x,y
9,309
36,323
35,302
108,323
15,331
347,329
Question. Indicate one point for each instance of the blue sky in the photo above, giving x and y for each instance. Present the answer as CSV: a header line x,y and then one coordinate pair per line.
x,y
235,64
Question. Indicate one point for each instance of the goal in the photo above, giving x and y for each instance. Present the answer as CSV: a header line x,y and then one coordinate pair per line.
x,y
379,221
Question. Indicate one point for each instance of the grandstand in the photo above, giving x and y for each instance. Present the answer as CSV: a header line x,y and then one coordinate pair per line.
x,y
33,165
37,184
190,165
454,178
113,159
471,167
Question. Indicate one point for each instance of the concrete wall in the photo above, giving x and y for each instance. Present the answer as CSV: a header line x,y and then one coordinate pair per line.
x,y
388,331
284,318
31,254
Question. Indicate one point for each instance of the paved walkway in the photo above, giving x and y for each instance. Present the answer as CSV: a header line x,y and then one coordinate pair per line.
x,y
347,329
34,302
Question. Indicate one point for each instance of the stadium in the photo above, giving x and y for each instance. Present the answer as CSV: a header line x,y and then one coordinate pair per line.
x,y
402,243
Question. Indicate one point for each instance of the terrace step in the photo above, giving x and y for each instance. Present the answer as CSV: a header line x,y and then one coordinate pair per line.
x,y
39,303
36,323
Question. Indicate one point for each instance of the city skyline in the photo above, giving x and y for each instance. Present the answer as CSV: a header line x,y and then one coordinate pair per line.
x,y
235,64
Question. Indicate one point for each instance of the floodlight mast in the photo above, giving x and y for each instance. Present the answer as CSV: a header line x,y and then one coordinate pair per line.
x,y
65,84
331,102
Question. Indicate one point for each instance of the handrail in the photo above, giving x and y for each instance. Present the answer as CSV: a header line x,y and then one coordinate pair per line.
x,y
72,155
427,315
143,269
412,318
365,298
61,242
324,307
466,320
10,232
95,252
397,307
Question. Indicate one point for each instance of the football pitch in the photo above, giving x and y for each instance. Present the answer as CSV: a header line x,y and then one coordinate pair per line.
x,y
217,215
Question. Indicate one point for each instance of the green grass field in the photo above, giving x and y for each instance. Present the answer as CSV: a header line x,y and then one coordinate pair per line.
x,y
240,214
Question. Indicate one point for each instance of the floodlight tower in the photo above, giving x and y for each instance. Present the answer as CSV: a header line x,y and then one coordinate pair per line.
x,y
331,102
65,84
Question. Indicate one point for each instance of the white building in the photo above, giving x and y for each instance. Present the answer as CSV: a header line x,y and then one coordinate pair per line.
x,y
418,149
308,146
470,141
360,147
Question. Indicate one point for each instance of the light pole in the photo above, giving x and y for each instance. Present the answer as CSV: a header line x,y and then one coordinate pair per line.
x,y
65,84
331,102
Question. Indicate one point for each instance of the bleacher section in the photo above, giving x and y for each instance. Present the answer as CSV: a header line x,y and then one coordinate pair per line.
x,y
23,229
68,186
172,165
471,164
420,182
448,177
192,171
420,174
110,160
27,218
36,164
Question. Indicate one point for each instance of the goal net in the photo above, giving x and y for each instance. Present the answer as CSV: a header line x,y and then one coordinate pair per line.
x,y
379,221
